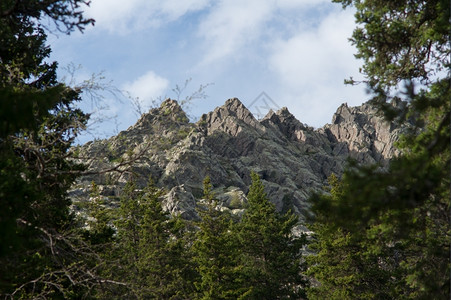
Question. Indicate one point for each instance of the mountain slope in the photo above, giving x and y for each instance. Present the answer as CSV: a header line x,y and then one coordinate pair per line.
x,y
291,158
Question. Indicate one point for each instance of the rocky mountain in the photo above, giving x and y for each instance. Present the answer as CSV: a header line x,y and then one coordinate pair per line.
x,y
292,158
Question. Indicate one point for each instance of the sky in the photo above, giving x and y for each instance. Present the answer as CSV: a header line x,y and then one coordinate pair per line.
x,y
267,53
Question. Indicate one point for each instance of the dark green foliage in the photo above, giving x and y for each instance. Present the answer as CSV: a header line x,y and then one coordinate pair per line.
x,y
148,252
216,252
38,120
399,40
36,227
287,204
28,85
271,255
41,253
345,263
256,258
139,253
401,43
100,230
384,234
66,14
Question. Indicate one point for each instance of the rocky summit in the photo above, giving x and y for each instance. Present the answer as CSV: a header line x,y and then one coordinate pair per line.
x,y
292,159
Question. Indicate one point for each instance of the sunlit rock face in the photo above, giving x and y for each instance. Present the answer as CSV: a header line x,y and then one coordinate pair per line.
x,y
228,143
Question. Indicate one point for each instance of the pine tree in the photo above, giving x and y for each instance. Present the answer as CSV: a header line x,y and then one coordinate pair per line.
x,y
344,264
41,253
271,254
100,231
396,220
386,234
149,250
215,251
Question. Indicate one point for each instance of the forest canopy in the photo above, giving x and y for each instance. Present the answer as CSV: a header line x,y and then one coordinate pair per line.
x,y
377,232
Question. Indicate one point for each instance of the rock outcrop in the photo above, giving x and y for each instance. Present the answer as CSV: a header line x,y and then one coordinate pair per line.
x,y
362,134
228,143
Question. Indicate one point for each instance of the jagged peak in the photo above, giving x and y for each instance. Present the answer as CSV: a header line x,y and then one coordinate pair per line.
x,y
285,123
341,114
170,107
169,112
283,116
285,113
269,115
232,107
233,102
229,142
237,108
229,118
353,114
171,104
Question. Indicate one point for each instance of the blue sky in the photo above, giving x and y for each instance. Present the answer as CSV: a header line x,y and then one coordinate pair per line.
x,y
297,52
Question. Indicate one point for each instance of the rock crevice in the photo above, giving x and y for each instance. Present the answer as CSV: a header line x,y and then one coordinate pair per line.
x,y
292,158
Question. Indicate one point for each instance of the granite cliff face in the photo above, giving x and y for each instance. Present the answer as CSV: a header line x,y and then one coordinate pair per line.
x,y
227,144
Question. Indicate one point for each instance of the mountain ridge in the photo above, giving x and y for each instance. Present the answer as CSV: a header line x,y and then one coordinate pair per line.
x,y
228,143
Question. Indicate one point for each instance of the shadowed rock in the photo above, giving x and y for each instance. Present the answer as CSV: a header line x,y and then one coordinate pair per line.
x,y
292,158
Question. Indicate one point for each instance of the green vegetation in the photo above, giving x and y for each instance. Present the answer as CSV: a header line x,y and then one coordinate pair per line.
x,y
378,233
235,202
271,255
384,234
100,230
151,254
183,133
216,252
147,252
41,255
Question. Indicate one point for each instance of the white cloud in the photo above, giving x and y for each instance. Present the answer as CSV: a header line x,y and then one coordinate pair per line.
x,y
298,48
174,9
118,16
316,55
312,65
147,87
299,3
231,25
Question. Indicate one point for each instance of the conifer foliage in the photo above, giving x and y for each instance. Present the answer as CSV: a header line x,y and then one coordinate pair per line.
x,y
41,252
216,252
153,255
271,254
385,233
148,252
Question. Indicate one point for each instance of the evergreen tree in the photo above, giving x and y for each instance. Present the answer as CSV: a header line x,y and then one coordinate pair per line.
x,y
344,263
271,254
100,230
394,224
149,249
41,253
28,86
215,251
